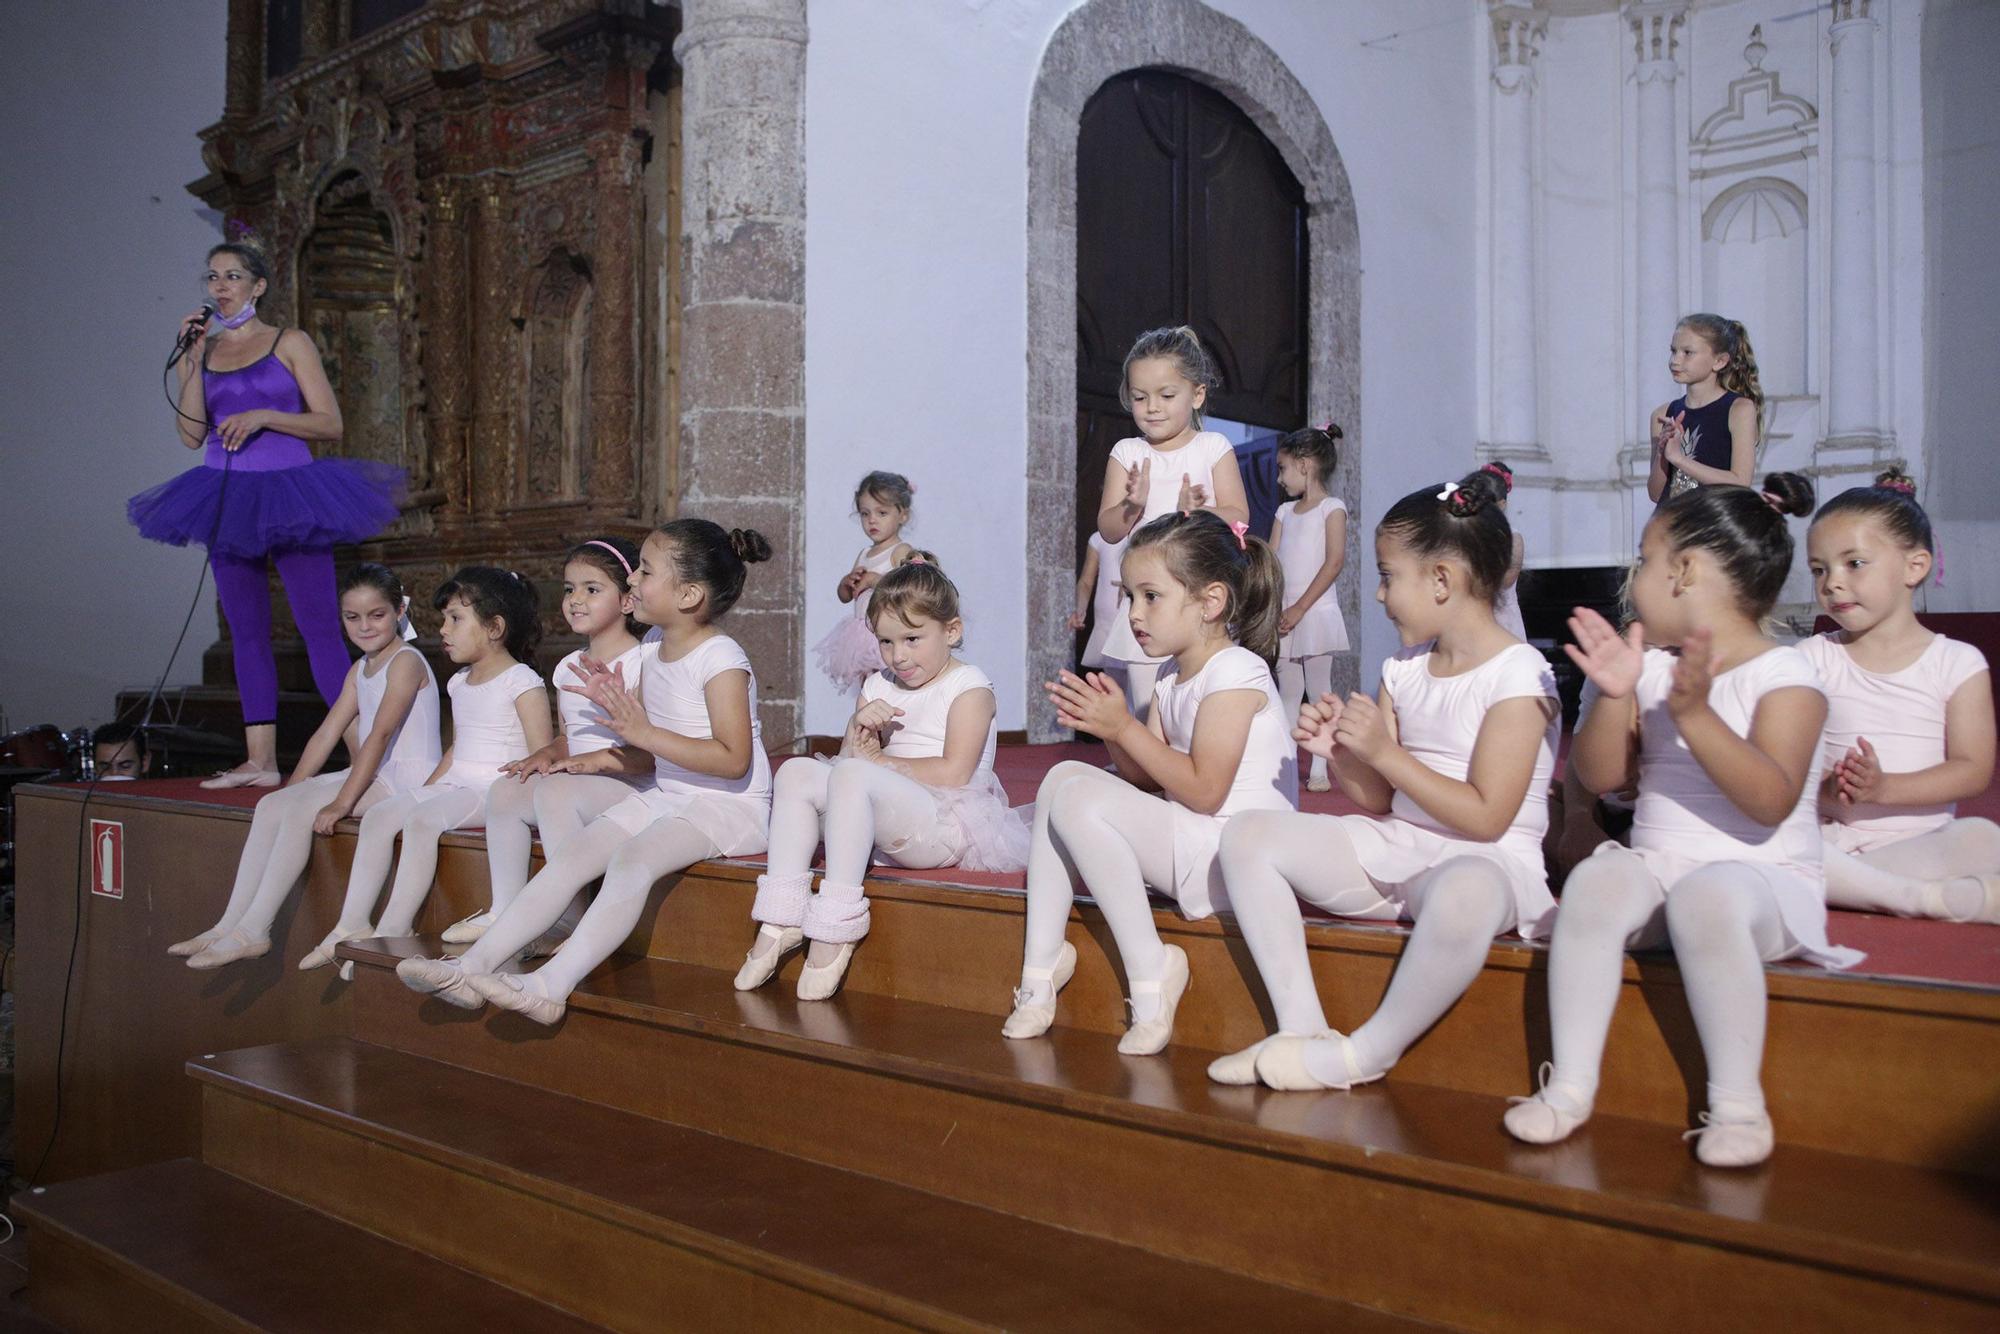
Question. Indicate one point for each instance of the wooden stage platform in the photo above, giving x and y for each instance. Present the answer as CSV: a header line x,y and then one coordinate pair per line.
x,y
235,1147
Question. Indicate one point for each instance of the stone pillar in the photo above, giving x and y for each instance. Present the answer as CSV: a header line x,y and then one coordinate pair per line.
x,y
614,329
1657,230
493,457
1853,411
1516,423
244,81
445,351
743,168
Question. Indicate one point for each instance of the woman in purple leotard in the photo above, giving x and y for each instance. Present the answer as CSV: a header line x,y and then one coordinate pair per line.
x,y
260,496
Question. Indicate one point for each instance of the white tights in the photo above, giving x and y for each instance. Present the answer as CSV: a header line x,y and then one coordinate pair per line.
x,y
1723,923
1900,878
1272,859
1118,840
630,865
276,852
559,805
422,817
1302,679
859,807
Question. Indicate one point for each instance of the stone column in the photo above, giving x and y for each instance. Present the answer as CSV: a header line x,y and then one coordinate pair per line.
x,y
1517,32
743,168
1657,230
244,81
445,352
614,330
1853,412
493,456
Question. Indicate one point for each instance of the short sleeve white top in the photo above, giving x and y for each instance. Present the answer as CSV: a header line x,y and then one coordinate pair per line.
x,y
676,698
1104,599
1680,809
1194,461
1267,777
413,752
919,733
586,725
486,729
1438,720
1902,714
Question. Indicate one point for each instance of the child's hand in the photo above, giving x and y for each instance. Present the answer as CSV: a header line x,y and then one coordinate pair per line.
x,y
1076,620
590,762
1315,729
877,716
867,580
1860,774
1673,440
541,762
330,815
605,687
1193,495
1092,706
1361,729
1138,486
851,585
1694,673
1288,620
860,742
1612,663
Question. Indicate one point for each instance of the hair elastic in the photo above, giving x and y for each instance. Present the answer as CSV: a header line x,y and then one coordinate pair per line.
x,y
622,562
1775,501
1242,531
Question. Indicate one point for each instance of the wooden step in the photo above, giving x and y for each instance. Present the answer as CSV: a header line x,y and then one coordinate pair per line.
x,y
181,1246
1279,1186
622,1218
1833,1042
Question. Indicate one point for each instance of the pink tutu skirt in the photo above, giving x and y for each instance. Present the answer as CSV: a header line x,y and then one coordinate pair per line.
x,y
991,835
849,653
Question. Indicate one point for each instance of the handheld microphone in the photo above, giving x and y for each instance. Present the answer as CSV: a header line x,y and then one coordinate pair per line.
x,y
194,330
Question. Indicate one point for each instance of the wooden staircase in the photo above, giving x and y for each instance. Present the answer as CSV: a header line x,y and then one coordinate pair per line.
x,y
677,1155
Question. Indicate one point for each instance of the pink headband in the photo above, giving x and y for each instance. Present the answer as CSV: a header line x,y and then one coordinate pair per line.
x,y
623,563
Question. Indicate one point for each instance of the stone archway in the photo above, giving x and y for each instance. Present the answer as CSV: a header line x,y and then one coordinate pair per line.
x,y
1102,38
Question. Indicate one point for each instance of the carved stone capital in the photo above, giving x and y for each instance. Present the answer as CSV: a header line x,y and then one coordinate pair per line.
x,y
1656,35
1517,39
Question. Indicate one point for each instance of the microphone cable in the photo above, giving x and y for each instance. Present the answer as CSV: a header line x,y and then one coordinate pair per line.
x,y
83,857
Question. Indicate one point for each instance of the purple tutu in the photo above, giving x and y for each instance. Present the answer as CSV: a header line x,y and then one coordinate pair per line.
x,y
849,653
318,504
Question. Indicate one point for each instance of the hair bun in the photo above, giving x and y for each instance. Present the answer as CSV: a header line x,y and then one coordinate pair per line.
x,y
1790,493
749,545
1474,492
1895,479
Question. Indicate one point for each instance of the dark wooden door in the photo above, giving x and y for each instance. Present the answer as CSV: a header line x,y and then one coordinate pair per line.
x,y
1185,214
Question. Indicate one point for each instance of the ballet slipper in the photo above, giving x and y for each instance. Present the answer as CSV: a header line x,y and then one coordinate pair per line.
x,y
1551,1115
1148,1037
1985,892
468,929
820,982
1282,1065
1239,1068
322,953
196,944
1319,783
505,990
1032,1019
442,978
1732,1139
228,949
758,968
241,777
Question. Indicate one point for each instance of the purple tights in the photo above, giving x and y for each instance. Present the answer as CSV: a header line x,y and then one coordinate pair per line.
x,y
244,590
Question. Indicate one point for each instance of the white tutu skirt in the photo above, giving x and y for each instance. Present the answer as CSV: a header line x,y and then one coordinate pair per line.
x,y
1121,647
1395,852
989,835
1093,648
1801,896
1319,631
1854,841
849,653
1198,889
739,826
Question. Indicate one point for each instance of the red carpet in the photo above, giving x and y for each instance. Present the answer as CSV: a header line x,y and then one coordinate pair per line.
x,y
1927,951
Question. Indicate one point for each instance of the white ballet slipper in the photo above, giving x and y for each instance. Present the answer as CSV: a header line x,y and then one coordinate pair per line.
x,y
1551,1115
505,991
228,949
1986,888
468,929
757,968
1319,783
819,983
1282,1064
242,777
1031,1020
322,953
442,978
196,944
1733,1139
1148,1037
1239,1068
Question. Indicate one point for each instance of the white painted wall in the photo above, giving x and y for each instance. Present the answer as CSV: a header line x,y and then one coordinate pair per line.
x,y
100,250
916,148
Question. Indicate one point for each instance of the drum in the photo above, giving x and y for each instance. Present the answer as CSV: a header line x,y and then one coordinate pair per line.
x,y
34,748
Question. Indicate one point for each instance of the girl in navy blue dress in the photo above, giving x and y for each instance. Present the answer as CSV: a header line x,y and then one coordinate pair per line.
x,y
1709,435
